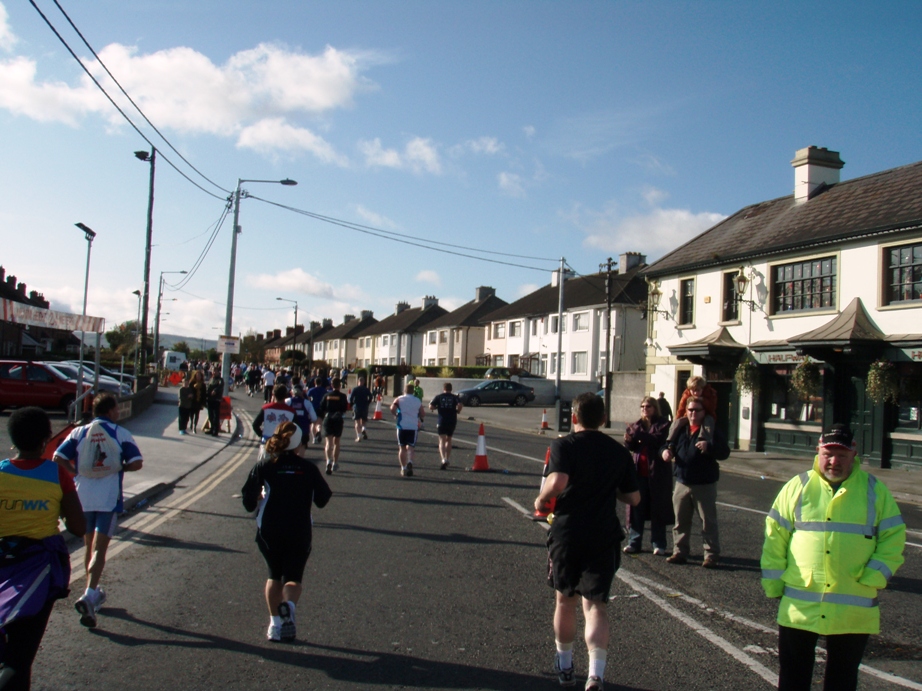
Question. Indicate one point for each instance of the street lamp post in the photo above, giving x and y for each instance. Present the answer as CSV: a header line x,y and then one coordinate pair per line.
x,y
229,316
137,335
294,331
89,235
152,159
157,320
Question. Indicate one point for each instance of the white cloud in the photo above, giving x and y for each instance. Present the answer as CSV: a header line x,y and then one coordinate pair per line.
x,y
274,134
483,145
7,38
375,219
419,155
528,288
652,233
654,196
529,131
429,276
511,184
590,135
250,96
292,281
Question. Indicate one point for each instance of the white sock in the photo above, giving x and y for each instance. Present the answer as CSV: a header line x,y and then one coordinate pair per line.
x,y
91,593
564,655
275,621
597,658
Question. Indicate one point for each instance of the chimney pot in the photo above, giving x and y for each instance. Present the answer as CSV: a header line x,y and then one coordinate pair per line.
x,y
813,167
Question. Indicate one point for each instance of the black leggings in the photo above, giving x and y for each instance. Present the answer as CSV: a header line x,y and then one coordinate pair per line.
x,y
796,653
23,637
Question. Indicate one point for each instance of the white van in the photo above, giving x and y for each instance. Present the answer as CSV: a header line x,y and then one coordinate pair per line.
x,y
172,359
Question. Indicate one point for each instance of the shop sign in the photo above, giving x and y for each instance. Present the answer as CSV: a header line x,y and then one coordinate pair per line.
x,y
780,357
911,354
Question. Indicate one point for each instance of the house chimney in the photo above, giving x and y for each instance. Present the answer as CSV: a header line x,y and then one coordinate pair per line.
x,y
567,274
401,306
367,314
315,325
277,333
268,335
483,292
814,169
299,329
11,281
348,318
2,274
629,260
21,289
430,301
259,338
328,322
289,330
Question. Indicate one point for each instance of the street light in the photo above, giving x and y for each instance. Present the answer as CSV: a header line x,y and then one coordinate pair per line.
x,y
157,321
137,334
152,159
89,235
294,332
229,316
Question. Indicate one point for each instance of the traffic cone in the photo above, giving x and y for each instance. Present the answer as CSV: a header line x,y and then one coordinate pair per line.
x,y
480,457
552,504
544,425
378,414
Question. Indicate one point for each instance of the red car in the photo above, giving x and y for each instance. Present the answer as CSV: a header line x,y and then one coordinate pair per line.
x,y
24,383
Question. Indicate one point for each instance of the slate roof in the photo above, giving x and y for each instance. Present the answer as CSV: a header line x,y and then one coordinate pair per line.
x,y
313,334
880,203
468,314
409,320
584,291
350,329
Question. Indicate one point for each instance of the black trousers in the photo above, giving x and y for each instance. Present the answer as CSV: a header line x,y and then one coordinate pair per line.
x,y
23,638
214,415
796,654
184,415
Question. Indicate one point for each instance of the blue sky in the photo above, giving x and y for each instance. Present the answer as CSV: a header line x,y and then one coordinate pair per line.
x,y
535,129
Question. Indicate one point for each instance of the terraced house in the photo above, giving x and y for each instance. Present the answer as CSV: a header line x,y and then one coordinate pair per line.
x,y
833,273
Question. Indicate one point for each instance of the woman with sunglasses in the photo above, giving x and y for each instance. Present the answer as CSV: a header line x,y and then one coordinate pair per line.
x,y
644,439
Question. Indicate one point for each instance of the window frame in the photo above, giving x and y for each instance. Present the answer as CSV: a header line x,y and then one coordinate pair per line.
x,y
887,284
686,314
776,297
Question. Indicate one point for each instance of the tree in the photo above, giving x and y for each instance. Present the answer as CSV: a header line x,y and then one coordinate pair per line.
x,y
124,337
182,347
293,357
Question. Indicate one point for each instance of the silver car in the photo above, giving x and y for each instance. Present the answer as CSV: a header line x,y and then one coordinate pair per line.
x,y
497,391
108,384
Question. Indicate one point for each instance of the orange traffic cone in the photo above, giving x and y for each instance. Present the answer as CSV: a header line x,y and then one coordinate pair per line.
x,y
480,457
378,414
544,425
552,504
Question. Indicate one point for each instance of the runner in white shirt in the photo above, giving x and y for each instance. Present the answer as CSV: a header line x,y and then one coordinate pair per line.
x,y
268,383
409,411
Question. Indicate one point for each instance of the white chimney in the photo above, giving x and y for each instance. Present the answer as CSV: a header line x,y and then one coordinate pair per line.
x,y
813,168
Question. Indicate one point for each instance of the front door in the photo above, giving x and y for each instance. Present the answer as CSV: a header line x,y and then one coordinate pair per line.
x,y
865,418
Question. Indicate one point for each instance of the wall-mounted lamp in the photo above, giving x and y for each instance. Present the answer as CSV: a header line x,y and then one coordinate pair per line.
x,y
741,282
653,299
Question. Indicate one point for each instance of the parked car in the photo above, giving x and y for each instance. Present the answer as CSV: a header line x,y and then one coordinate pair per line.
x,y
25,383
497,391
506,373
123,377
69,371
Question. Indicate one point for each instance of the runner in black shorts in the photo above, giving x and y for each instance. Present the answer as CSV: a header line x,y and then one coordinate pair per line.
x,y
290,483
332,408
448,406
588,473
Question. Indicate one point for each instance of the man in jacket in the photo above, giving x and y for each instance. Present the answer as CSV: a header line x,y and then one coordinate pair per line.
x,y
696,474
833,538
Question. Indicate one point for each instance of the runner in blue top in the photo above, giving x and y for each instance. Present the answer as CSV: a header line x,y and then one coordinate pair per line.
x,y
360,398
315,395
448,406
86,452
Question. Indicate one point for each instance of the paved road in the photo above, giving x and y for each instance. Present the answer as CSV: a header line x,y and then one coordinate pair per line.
x,y
430,582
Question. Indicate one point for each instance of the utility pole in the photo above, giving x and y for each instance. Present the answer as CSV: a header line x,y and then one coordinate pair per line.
x,y
608,266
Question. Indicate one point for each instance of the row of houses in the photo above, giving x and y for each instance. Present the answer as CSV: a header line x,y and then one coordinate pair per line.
x,y
21,341
831,272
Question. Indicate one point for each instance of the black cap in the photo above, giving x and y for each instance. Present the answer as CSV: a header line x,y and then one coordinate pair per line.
x,y
838,435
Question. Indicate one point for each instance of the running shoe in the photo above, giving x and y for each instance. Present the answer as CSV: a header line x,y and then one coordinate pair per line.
x,y
100,598
335,466
87,611
364,436
631,549
182,432
287,631
564,676
329,468
594,684
677,558
444,465
358,439
409,469
659,552
274,633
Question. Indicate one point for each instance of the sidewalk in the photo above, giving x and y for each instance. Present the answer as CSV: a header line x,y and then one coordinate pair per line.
x,y
905,483
168,456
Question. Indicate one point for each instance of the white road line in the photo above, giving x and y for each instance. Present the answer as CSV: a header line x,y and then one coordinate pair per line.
x,y
498,450
743,508
640,584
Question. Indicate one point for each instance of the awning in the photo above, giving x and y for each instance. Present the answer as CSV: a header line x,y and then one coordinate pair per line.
x,y
851,332
718,347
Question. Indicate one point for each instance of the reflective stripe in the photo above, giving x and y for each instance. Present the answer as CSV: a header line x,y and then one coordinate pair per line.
x,y
888,523
780,520
831,598
835,527
773,574
878,565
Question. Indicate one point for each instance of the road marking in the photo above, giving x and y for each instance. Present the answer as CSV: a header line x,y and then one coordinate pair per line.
x,y
641,585
498,450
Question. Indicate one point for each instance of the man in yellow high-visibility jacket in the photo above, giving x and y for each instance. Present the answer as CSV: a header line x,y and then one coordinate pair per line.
x,y
833,538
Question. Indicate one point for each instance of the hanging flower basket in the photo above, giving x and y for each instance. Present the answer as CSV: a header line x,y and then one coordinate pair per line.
x,y
747,377
806,380
883,385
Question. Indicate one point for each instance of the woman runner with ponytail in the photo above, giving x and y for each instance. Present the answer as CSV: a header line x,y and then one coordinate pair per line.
x,y
283,486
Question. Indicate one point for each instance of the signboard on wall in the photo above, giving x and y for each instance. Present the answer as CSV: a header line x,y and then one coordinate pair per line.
x,y
228,344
